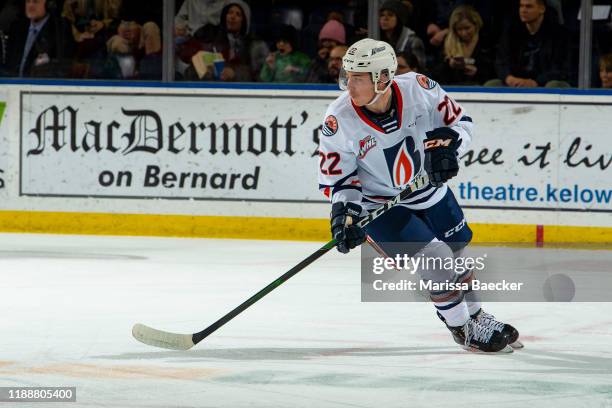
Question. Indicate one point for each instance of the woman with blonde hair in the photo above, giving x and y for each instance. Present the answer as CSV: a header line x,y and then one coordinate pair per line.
x,y
466,61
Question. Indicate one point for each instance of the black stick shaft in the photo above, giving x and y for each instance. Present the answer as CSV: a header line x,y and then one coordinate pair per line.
x,y
197,337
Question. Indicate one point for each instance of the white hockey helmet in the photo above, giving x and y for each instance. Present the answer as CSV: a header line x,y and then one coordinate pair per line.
x,y
373,56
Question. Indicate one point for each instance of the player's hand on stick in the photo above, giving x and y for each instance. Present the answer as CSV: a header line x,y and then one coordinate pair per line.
x,y
441,162
348,235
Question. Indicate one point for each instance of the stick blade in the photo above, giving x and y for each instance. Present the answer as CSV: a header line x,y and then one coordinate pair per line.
x,y
159,338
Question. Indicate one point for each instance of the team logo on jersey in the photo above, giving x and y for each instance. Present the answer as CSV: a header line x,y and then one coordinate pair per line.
x,y
330,126
403,162
426,82
365,145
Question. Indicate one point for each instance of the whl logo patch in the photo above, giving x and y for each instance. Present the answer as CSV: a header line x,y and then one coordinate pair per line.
x,y
365,145
403,162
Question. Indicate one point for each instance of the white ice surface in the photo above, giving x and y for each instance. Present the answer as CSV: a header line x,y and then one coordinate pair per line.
x,y
67,305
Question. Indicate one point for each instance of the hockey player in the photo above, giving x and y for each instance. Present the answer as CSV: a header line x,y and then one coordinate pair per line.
x,y
381,134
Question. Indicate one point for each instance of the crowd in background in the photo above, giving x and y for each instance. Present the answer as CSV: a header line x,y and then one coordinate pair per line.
x,y
111,39
514,43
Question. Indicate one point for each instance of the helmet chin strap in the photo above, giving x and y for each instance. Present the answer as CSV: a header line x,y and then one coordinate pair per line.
x,y
378,95
374,100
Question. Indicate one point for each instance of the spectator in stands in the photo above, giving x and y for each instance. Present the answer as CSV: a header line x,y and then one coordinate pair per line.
x,y
286,64
407,62
535,52
438,28
130,32
40,46
334,64
310,34
185,47
466,61
122,49
393,17
89,19
422,14
331,35
242,53
195,14
150,66
92,23
332,71
605,70
494,14
135,52
354,30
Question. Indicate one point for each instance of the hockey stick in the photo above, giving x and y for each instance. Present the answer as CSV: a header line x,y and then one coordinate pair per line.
x,y
175,341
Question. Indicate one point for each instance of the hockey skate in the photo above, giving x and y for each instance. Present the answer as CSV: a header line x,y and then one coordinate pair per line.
x,y
507,330
475,336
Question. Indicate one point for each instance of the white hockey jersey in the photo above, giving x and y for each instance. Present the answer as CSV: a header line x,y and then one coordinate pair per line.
x,y
359,162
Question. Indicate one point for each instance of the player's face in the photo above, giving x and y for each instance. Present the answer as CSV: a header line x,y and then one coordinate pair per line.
x,y
465,30
360,87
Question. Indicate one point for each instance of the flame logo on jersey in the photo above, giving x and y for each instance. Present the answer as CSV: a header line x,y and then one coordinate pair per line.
x,y
403,162
402,168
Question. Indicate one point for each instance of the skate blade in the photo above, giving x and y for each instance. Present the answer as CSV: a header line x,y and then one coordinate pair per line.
x,y
505,350
517,345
